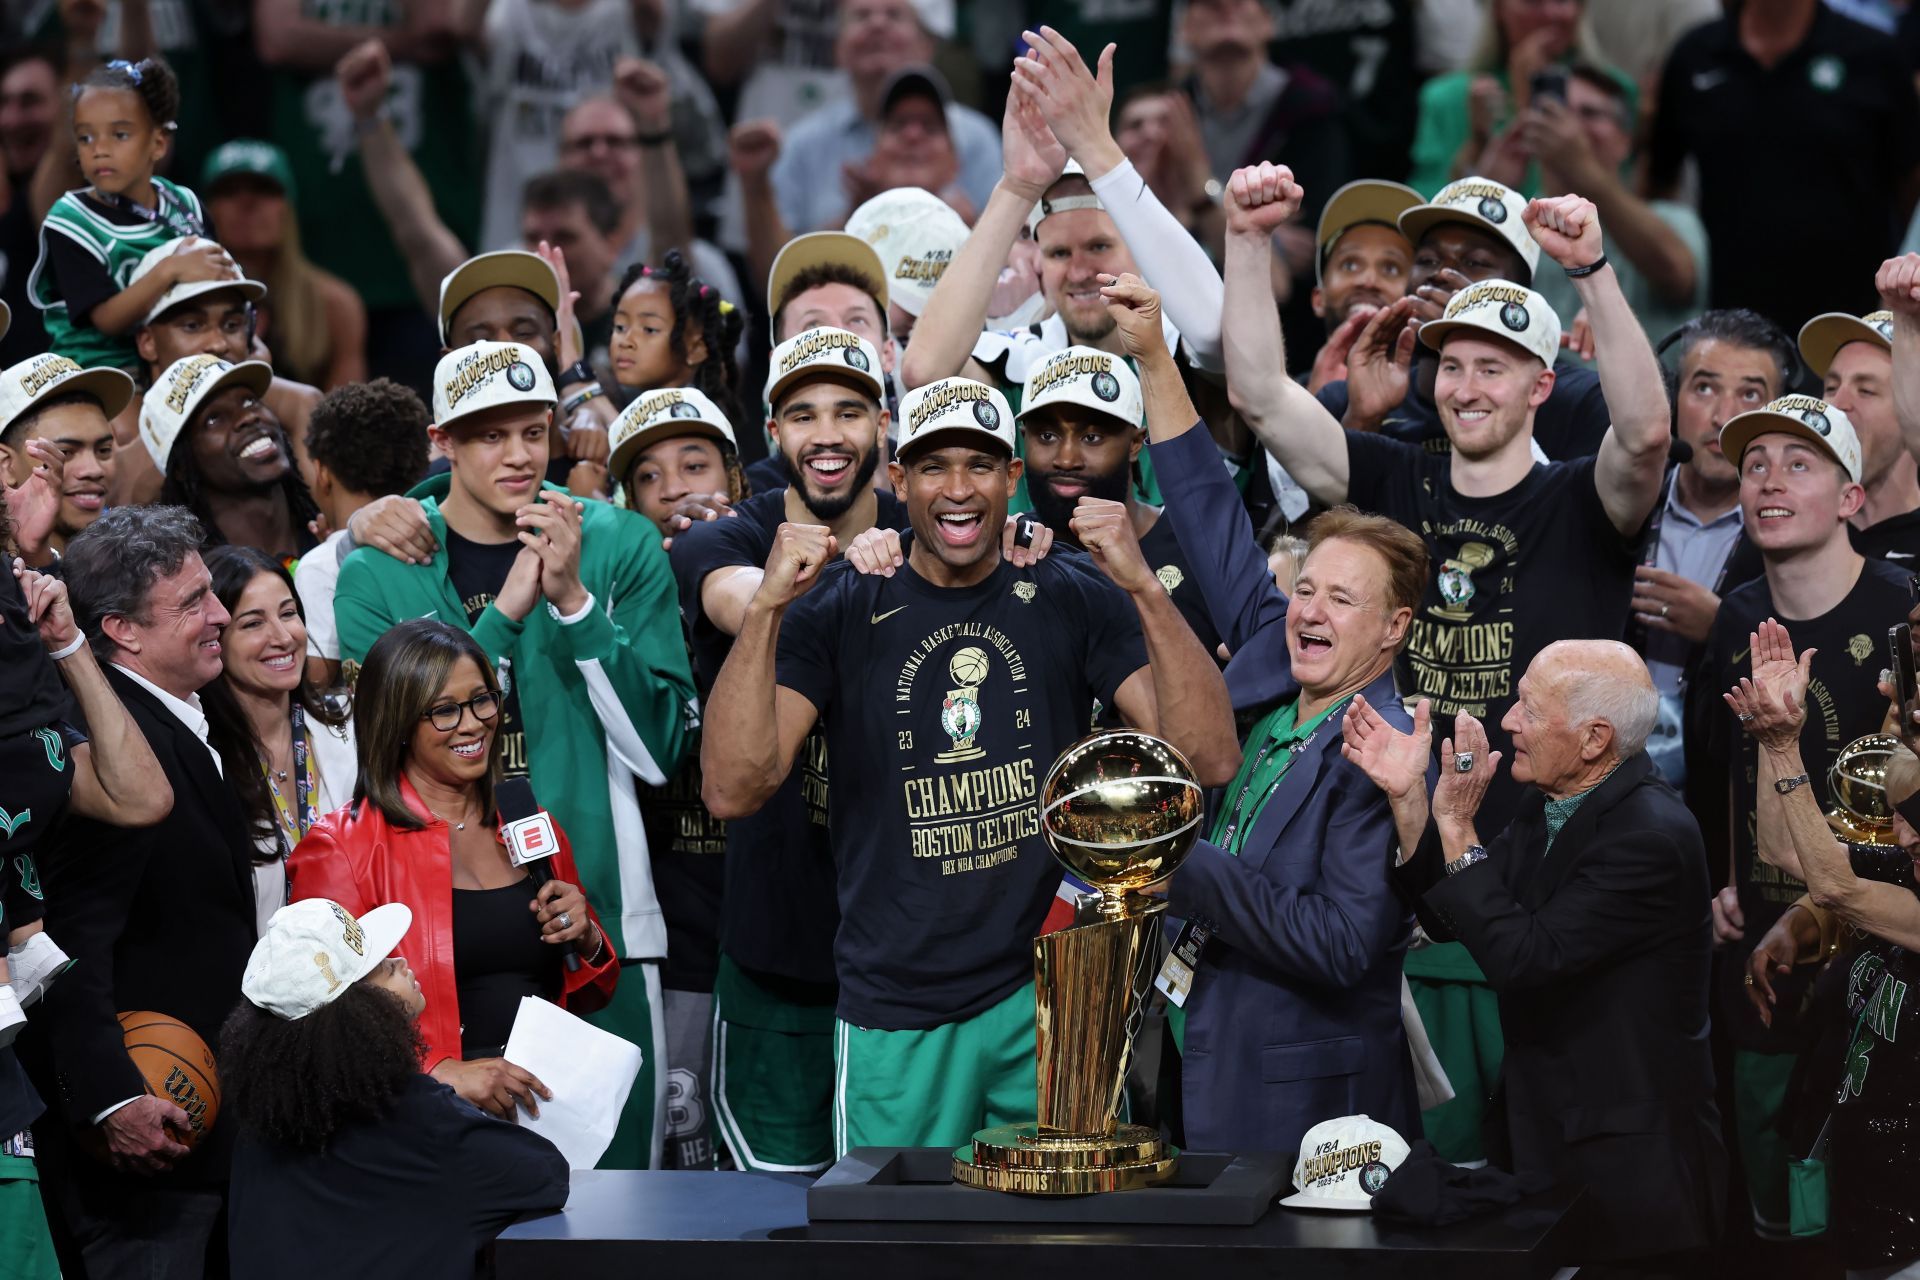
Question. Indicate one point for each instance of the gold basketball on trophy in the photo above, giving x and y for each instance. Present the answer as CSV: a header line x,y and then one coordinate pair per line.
x,y
1857,790
1121,809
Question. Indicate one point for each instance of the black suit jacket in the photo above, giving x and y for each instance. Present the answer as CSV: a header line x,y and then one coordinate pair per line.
x,y
1599,951
160,919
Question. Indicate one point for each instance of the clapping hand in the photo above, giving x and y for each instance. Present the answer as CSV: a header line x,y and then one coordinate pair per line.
x,y
1076,102
1467,769
1396,762
1772,702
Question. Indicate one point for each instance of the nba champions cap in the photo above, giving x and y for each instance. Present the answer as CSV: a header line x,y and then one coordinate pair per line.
x,y
177,394
1822,337
955,411
515,268
1343,1163
487,375
665,415
1478,202
836,354
40,378
1357,204
1808,417
1500,309
180,293
916,234
1086,377
314,949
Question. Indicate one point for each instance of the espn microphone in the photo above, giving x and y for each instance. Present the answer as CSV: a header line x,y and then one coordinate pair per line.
x,y
531,840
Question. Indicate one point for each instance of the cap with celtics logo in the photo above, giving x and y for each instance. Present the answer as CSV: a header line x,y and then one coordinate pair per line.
x,y
1822,337
252,290
1478,202
186,384
1343,1163
40,378
916,234
839,355
1812,419
666,415
488,375
1086,377
955,411
1500,309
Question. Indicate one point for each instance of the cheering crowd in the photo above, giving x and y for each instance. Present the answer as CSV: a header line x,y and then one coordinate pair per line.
x,y
695,422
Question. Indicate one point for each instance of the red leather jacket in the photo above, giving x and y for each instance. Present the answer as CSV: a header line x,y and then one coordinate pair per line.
x,y
362,861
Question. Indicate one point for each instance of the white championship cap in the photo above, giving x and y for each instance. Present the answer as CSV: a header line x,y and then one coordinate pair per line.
x,y
1812,419
1343,1163
665,415
313,950
512,267
40,378
487,375
177,394
1822,337
1478,202
180,293
1503,310
839,354
916,234
1087,377
954,411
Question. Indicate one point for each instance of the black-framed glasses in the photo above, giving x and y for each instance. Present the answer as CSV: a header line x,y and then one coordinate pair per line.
x,y
446,716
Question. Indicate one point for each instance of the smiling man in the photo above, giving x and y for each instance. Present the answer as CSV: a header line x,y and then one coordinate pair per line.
x,y
1853,358
70,410
958,674
1801,466
574,604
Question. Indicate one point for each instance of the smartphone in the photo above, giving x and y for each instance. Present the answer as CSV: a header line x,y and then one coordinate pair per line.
x,y
1548,83
1900,649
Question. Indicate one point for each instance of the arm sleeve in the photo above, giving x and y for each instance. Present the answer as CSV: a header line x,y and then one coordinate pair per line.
x,y
80,278
1171,260
1211,525
707,548
1375,466
360,612
1575,418
633,657
1330,934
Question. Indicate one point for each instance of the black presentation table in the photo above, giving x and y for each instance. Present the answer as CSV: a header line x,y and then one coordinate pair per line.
x,y
621,1223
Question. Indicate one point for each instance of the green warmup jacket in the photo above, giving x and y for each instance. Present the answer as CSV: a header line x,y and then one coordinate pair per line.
x,y
604,700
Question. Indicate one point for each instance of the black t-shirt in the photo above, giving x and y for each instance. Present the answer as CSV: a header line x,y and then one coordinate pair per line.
x,y
1512,573
779,909
1161,547
1367,51
1571,424
498,958
1876,1120
950,705
1842,704
416,1193
478,570
1895,539
688,847
1842,105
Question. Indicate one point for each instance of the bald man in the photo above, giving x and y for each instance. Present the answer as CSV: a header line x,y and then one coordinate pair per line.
x,y
1586,915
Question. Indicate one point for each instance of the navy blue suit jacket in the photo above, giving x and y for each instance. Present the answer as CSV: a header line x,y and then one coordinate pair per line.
x,y
1294,1016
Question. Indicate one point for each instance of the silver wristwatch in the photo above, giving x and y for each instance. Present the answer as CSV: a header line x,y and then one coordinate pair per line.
x,y
1474,853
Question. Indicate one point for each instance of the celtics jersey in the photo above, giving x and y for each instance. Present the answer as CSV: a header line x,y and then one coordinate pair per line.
x,y
89,246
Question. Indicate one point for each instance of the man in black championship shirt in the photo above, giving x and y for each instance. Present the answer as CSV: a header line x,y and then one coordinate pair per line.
x,y
947,689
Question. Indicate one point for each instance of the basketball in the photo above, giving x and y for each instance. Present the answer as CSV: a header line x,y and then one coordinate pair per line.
x,y
968,668
1121,809
177,1066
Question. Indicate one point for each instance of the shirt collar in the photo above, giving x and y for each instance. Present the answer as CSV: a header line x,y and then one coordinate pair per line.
x,y
1681,512
187,712
1560,812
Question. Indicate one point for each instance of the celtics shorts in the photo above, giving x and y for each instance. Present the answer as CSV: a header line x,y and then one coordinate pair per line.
x,y
1760,1119
773,1075
28,1250
934,1088
636,1015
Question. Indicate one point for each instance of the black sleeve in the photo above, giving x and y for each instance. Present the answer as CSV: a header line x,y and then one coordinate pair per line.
x,y
1113,645
710,546
79,278
498,1171
1382,474
1709,748
805,660
1575,418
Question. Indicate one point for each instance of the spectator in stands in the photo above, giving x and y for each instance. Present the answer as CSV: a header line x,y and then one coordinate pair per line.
x,y
1791,78
1853,358
574,214
55,415
316,325
367,441
30,111
342,1136
1156,126
814,177
915,146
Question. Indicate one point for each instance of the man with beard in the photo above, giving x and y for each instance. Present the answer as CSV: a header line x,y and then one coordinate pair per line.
x,y
225,456
53,410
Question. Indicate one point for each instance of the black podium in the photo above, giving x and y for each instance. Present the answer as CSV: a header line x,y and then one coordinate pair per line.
x,y
720,1225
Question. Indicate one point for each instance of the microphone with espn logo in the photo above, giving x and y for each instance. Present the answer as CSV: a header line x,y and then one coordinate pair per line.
x,y
531,841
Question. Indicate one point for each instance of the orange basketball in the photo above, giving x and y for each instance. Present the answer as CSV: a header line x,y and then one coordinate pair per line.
x,y
177,1066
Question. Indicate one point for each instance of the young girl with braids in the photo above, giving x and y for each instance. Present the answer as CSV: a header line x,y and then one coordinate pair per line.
x,y
94,236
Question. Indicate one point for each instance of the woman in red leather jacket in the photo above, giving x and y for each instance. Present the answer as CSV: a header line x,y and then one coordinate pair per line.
x,y
423,829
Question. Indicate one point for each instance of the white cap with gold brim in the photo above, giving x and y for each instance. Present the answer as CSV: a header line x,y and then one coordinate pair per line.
x,y
38,379
1500,309
182,387
666,414
1822,337
839,355
1479,202
1812,419
1086,377
488,375
955,411
253,290
916,234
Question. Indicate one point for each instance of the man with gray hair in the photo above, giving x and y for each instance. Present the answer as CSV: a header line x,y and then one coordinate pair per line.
x,y
1589,921
160,918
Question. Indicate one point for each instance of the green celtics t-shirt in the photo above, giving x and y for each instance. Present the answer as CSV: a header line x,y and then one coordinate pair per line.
x,y
949,706
432,111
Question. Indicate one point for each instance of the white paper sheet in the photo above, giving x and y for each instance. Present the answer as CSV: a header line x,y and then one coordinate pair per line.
x,y
590,1072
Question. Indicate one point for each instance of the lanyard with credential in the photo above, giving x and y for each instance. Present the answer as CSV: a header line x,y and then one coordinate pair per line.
x,y
1240,812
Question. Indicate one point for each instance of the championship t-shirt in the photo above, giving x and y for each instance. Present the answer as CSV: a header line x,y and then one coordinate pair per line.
x,y
688,847
949,705
1843,703
478,570
779,908
1512,573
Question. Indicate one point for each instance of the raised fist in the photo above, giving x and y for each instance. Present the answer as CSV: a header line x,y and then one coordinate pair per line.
x,y
1567,229
1898,281
365,75
752,147
1260,199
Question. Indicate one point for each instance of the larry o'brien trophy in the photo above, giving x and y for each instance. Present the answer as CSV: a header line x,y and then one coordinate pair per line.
x,y
1121,810
1857,790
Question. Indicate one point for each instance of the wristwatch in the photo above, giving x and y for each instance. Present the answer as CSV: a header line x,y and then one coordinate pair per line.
x,y
1474,853
1785,786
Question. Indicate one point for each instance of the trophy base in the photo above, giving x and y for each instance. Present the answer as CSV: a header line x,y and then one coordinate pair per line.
x,y
1018,1158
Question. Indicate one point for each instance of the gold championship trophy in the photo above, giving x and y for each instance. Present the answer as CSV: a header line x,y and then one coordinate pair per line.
x,y
1857,790
1121,810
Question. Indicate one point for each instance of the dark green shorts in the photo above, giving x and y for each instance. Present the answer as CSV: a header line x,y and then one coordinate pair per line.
x,y
773,1076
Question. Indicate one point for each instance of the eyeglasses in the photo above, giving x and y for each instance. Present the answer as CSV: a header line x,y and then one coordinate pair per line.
x,y
594,141
446,716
